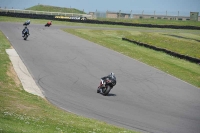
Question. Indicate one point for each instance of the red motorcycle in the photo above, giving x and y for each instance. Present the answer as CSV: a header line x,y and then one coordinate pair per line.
x,y
48,24
109,84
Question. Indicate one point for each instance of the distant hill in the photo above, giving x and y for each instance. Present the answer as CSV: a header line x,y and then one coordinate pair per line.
x,y
55,9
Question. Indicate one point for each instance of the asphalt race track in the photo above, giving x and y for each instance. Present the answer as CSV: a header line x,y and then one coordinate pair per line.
x,y
68,69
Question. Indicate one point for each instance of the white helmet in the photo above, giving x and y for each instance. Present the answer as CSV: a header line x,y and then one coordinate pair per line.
x,y
112,74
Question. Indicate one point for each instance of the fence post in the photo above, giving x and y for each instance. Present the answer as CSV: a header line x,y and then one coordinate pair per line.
x,y
96,14
130,14
106,13
142,14
119,14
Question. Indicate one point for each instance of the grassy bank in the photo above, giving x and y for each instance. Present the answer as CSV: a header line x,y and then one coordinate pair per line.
x,y
55,9
22,112
181,69
182,43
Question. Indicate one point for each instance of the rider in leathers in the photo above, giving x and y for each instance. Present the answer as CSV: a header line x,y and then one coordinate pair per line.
x,y
103,79
25,31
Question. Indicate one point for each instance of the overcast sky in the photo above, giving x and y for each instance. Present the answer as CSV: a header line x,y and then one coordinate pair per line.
x,y
137,6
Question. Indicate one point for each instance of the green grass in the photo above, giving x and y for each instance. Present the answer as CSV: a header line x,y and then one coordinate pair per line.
x,y
154,21
181,69
55,9
22,112
182,43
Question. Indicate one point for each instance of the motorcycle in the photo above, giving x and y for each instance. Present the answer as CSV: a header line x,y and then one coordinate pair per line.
x,y
109,84
25,24
47,25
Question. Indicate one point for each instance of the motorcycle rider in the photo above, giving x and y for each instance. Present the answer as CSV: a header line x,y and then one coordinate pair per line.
x,y
27,22
111,76
25,31
49,23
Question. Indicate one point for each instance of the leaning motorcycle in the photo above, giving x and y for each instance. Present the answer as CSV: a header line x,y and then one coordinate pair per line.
x,y
26,24
47,25
109,84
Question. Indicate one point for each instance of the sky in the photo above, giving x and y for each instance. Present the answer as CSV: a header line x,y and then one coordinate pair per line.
x,y
137,6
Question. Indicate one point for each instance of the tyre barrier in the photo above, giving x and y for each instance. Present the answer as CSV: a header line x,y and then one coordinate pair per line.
x,y
52,17
188,58
25,15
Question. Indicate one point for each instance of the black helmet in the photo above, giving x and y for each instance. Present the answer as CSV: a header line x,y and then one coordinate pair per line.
x,y
25,27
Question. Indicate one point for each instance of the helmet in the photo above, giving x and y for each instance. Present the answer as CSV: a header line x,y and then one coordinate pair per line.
x,y
25,27
112,74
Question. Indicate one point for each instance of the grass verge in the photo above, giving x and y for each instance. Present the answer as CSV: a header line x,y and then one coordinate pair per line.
x,y
182,43
181,69
154,21
22,112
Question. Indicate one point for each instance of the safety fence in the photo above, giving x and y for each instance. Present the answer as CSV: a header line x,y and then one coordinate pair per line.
x,y
188,58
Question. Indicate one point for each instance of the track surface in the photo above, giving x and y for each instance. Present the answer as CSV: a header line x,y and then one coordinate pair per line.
x,y
68,70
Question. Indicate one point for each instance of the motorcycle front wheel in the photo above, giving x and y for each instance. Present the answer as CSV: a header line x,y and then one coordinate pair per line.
x,y
106,90
25,37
